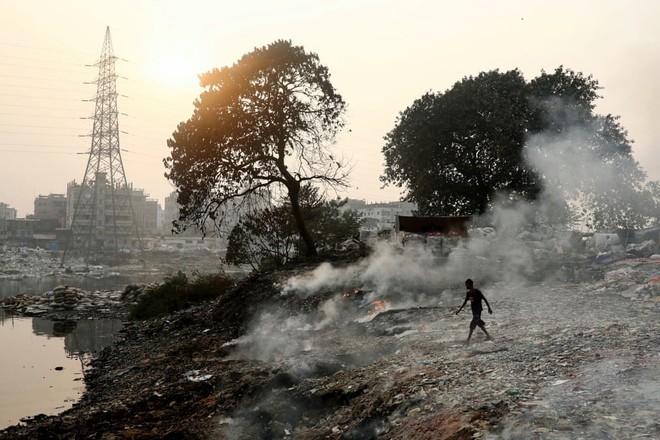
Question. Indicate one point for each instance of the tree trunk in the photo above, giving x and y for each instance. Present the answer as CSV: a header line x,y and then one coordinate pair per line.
x,y
294,196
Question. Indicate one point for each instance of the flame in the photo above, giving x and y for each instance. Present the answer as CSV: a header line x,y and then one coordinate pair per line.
x,y
377,306
374,307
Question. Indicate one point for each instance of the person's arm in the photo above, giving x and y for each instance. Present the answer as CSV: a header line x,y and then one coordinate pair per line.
x,y
462,305
490,311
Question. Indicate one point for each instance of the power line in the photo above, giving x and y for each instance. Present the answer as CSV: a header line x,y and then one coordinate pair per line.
x,y
42,59
23,86
39,107
39,97
41,78
36,68
17,144
48,49
33,133
35,151
35,126
40,116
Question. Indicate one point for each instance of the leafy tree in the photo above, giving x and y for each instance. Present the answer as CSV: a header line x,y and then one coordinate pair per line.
x,y
269,238
263,239
457,152
329,223
262,126
453,151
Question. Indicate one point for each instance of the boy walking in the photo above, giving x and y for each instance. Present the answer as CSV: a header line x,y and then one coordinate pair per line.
x,y
475,297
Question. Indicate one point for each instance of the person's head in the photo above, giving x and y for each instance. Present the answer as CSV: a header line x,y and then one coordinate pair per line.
x,y
469,284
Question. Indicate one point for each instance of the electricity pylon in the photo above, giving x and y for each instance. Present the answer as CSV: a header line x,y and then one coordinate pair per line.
x,y
102,224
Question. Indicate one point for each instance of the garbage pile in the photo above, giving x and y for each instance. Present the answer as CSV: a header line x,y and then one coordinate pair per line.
x,y
64,299
636,278
17,263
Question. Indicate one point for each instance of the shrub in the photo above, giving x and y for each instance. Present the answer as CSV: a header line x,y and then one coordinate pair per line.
x,y
177,292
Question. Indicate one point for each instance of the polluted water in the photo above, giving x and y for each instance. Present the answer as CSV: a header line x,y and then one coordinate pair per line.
x,y
42,371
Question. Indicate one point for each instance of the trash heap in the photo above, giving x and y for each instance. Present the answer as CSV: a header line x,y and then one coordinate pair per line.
x,y
635,278
64,299
17,263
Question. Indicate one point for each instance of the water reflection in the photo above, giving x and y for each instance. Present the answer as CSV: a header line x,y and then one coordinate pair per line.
x,y
83,336
42,363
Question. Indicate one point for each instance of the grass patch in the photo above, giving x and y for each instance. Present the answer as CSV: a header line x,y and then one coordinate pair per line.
x,y
178,292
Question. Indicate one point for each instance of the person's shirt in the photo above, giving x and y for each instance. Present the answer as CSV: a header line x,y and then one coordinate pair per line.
x,y
475,297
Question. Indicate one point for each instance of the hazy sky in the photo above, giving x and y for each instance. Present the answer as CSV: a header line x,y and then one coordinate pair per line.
x,y
382,55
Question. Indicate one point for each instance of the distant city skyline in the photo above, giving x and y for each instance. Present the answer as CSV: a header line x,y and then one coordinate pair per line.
x,y
382,55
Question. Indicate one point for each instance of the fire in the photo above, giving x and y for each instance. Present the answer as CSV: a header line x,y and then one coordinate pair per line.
x,y
354,294
377,306
380,304
361,300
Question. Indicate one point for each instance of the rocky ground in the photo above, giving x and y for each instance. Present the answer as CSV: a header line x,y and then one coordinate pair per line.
x,y
568,361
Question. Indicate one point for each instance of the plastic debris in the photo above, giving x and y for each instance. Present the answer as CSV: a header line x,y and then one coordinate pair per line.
x,y
197,375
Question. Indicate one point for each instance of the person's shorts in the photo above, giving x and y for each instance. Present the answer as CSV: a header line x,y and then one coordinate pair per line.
x,y
476,320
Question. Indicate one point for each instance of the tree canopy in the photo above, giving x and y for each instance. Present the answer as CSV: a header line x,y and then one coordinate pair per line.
x,y
263,126
496,136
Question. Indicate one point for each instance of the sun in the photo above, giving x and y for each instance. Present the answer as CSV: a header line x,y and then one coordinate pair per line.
x,y
174,67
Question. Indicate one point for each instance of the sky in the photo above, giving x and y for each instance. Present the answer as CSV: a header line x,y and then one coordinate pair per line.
x,y
382,55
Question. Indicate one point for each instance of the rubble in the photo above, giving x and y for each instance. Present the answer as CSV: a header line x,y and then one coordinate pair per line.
x,y
633,278
17,263
69,301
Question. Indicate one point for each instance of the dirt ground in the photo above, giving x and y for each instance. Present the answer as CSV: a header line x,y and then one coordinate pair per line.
x,y
567,361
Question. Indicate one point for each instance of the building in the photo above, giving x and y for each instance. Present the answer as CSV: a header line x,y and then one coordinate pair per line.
x,y
51,207
104,215
146,214
382,216
170,213
192,237
33,233
216,236
7,213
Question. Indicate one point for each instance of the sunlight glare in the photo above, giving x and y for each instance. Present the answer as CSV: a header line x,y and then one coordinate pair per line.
x,y
174,67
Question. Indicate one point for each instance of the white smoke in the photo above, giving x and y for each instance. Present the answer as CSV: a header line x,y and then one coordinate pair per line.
x,y
323,277
388,271
581,163
416,275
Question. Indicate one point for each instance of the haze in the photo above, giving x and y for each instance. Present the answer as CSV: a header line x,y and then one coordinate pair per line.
x,y
382,55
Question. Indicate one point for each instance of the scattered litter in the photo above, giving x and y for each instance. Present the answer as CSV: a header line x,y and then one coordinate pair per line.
x,y
197,375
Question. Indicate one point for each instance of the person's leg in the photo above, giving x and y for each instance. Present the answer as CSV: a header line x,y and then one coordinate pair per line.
x,y
473,325
483,328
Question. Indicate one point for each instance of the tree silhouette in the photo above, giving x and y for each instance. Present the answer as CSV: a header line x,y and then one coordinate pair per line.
x,y
262,127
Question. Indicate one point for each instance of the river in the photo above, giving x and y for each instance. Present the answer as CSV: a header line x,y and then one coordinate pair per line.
x,y
42,360
42,363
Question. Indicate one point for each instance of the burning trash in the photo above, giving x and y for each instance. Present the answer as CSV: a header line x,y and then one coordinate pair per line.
x,y
361,299
379,305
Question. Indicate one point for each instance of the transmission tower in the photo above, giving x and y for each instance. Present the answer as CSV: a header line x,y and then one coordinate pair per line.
x,y
103,227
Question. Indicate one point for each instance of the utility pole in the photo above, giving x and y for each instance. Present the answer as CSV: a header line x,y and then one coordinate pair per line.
x,y
102,226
